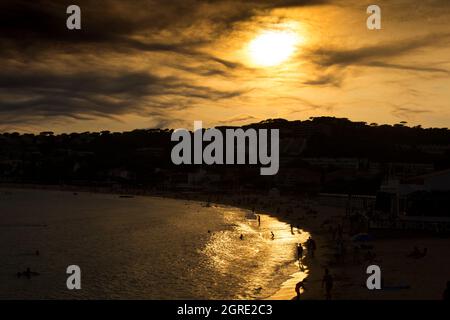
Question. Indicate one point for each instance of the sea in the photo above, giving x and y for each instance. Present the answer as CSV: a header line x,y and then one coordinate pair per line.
x,y
139,247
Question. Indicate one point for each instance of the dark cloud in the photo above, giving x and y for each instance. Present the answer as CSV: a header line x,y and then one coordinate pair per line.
x,y
330,79
34,33
114,22
239,118
408,112
367,55
331,63
86,95
407,68
50,72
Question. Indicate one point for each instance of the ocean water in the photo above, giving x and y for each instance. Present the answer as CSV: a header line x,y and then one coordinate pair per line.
x,y
139,248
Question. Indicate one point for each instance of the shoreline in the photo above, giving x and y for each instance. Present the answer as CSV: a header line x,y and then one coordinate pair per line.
x,y
403,278
286,291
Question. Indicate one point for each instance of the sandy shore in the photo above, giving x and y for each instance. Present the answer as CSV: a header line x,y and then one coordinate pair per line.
x,y
403,277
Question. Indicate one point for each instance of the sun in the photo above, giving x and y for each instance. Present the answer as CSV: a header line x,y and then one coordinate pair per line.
x,y
271,48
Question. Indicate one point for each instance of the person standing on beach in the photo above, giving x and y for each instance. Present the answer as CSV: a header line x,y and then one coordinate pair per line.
x,y
308,245
299,251
327,281
300,285
272,235
311,246
259,220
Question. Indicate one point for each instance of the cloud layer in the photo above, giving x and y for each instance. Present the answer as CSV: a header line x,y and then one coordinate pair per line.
x,y
172,60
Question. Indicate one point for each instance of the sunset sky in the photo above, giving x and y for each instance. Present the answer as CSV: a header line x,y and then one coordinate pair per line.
x,y
148,64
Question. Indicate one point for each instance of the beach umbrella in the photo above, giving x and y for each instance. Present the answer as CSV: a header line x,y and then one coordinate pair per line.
x,y
362,237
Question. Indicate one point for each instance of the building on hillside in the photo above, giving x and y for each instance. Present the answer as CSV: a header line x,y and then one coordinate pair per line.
x,y
425,196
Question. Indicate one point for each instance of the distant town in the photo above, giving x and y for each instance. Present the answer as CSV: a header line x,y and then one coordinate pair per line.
x,y
319,156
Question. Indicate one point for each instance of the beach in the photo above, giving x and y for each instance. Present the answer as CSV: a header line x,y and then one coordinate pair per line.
x,y
403,277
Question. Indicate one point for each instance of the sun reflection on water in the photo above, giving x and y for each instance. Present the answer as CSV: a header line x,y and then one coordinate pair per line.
x,y
257,264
